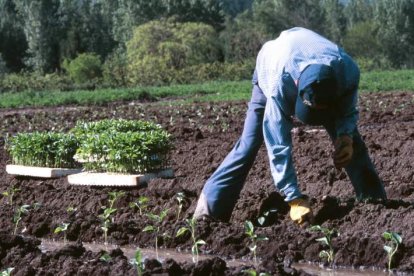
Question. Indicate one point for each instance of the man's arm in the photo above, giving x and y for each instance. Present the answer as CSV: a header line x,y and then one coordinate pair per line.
x,y
347,118
277,135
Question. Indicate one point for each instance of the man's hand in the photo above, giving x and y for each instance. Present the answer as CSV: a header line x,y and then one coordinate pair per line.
x,y
343,151
300,211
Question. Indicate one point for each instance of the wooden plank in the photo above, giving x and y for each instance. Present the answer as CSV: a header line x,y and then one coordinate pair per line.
x,y
113,179
40,171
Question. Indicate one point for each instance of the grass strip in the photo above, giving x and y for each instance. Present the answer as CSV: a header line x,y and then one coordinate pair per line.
x,y
385,81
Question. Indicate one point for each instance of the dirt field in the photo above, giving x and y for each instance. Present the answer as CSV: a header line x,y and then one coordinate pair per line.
x,y
203,134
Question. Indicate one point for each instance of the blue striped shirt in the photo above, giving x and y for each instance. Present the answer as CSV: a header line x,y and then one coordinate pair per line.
x,y
279,64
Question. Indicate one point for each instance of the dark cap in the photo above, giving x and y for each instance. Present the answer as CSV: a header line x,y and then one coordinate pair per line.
x,y
317,86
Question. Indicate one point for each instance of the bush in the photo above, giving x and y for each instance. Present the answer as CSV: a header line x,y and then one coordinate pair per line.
x,y
115,69
43,149
3,67
122,146
86,67
34,82
158,48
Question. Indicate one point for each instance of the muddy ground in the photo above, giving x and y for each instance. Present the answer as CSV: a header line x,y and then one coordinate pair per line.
x,y
203,134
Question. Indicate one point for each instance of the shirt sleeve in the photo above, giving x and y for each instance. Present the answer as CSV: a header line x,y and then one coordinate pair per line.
x,y
278,139
346,122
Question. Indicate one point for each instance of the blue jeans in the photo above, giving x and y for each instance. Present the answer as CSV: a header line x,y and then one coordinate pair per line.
x,y
223,188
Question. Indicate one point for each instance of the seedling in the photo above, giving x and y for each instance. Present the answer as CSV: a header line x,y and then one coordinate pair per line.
x,y
71,209
138,262
9,194
252,272
191,226
393,240
18,216
62,228
180,197
105,257
262,219
7,272
108,211
326,240
254,238
157,219
140,203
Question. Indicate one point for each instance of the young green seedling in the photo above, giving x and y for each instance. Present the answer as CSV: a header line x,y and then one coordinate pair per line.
x,y
108,211
180,197
326,240
393,240
252,272
138,262
141,203
9,194
105,257
71,209
7,272
157,219
62,228
262,219
18,216
191,227
254,238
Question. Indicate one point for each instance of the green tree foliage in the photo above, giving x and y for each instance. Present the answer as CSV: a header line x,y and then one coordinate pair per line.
x,y
3,67
85,27
160,47
242,38
12,39
357,11
84,68
41,28
278,15
396,21
235,7
335,22
366,32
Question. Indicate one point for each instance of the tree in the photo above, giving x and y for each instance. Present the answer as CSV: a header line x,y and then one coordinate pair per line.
x,y
41,28
335,21
396,21
158,48
13,43
242,38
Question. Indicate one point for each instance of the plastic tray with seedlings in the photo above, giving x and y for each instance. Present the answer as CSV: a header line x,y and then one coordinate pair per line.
x,y
42,154
121,152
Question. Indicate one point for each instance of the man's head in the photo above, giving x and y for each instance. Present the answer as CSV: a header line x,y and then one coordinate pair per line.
x,y
317,92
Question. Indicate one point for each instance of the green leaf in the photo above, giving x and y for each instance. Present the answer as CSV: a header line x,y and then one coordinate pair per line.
x,y
148,228
181,231
261,220
323,240
58,230
200,242
387,236
323,254
388,249
262,238
397,237
248,225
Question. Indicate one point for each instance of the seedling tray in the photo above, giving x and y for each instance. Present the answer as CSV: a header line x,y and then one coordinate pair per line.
x,y
42,172
114,179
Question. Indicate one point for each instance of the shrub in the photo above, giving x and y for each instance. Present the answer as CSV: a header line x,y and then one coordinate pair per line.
x,y
115,69
157,48
34,82
86,67
3,67
122,146
43,149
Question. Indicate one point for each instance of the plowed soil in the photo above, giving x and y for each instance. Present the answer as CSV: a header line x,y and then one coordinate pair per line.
x,y
203,134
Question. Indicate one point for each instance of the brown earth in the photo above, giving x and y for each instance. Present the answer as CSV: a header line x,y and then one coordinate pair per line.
x,y
203,134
